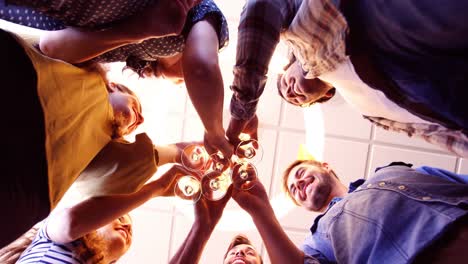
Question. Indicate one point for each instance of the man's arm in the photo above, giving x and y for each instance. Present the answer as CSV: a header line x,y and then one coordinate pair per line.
x,y
258,34
205,83
207,215
279,247
76,45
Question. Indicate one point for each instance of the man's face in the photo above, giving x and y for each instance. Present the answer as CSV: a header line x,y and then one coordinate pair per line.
x,y
242,254
311,186
297,90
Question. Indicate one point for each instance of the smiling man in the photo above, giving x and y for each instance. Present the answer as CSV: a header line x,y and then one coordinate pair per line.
x,y
312,184
398,215
401,64
241,251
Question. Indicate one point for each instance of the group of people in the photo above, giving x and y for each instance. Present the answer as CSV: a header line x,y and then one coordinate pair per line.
x,y
401,64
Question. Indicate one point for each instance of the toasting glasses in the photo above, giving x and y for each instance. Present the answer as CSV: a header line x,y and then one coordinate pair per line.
x,y
218,172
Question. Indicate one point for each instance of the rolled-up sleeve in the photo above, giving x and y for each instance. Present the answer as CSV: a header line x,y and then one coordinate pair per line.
x,y
258,34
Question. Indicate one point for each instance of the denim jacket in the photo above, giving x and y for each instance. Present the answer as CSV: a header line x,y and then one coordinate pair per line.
x,y
389,218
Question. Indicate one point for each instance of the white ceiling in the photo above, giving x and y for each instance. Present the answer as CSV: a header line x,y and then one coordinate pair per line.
x,y
351,145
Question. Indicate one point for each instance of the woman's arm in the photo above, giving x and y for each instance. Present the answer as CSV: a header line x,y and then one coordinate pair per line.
x,y
75,45
172,153
72,223
207,215
204,82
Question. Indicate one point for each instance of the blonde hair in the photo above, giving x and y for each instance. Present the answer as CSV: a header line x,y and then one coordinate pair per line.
x,y
11,253
89,249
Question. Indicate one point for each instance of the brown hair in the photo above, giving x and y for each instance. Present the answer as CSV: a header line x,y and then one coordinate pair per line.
x,y
142,68
240,239
287,171
89,249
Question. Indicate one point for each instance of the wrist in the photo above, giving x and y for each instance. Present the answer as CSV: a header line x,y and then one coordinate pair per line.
x,y
261,212
203,228
215,130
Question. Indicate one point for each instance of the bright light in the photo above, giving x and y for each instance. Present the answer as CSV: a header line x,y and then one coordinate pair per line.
x,y
160,103
315,131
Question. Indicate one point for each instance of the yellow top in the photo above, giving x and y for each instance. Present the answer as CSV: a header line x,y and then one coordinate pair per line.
x,y
78,122
119,168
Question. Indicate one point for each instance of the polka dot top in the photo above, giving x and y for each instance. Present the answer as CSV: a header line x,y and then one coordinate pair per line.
x,y
57,14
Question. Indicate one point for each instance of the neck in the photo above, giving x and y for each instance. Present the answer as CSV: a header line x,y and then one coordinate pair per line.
x,y
169,61
339,190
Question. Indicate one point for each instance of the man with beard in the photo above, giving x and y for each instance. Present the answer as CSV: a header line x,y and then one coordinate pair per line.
x,y
401,64
399,215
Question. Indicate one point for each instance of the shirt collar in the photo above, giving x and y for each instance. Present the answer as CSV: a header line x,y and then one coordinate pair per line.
x,y
352,187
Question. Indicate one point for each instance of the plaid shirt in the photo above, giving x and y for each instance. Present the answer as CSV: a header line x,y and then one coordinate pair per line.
x,y
452,140
313,29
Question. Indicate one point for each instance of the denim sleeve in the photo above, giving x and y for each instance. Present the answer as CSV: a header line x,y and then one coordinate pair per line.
x,y
312,255
445,174
310,260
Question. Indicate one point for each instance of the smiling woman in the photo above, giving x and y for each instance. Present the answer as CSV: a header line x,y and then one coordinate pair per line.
x,y
104,245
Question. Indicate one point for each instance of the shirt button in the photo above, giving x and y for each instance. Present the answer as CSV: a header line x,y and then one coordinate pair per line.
x,y
426,198
369,185
381,184
401,187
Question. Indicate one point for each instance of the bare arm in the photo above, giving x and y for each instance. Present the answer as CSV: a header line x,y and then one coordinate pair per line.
x,y
207,215
75,45
172,153
279,247
72,223
204,82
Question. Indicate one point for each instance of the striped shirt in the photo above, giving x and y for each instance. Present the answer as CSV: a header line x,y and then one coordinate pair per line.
x,y
44,250
314,30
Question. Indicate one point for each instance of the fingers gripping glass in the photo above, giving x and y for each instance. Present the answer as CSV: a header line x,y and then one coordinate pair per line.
x,y
215,185
195,158
218,172
188,188
244,173
250,151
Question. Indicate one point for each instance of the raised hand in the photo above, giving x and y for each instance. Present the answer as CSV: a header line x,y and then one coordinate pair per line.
x,y
215,142
180,149
208,213
236,127
252,200
166,183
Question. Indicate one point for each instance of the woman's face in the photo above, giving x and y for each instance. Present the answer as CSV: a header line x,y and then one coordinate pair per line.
x,y
127,109
117,236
